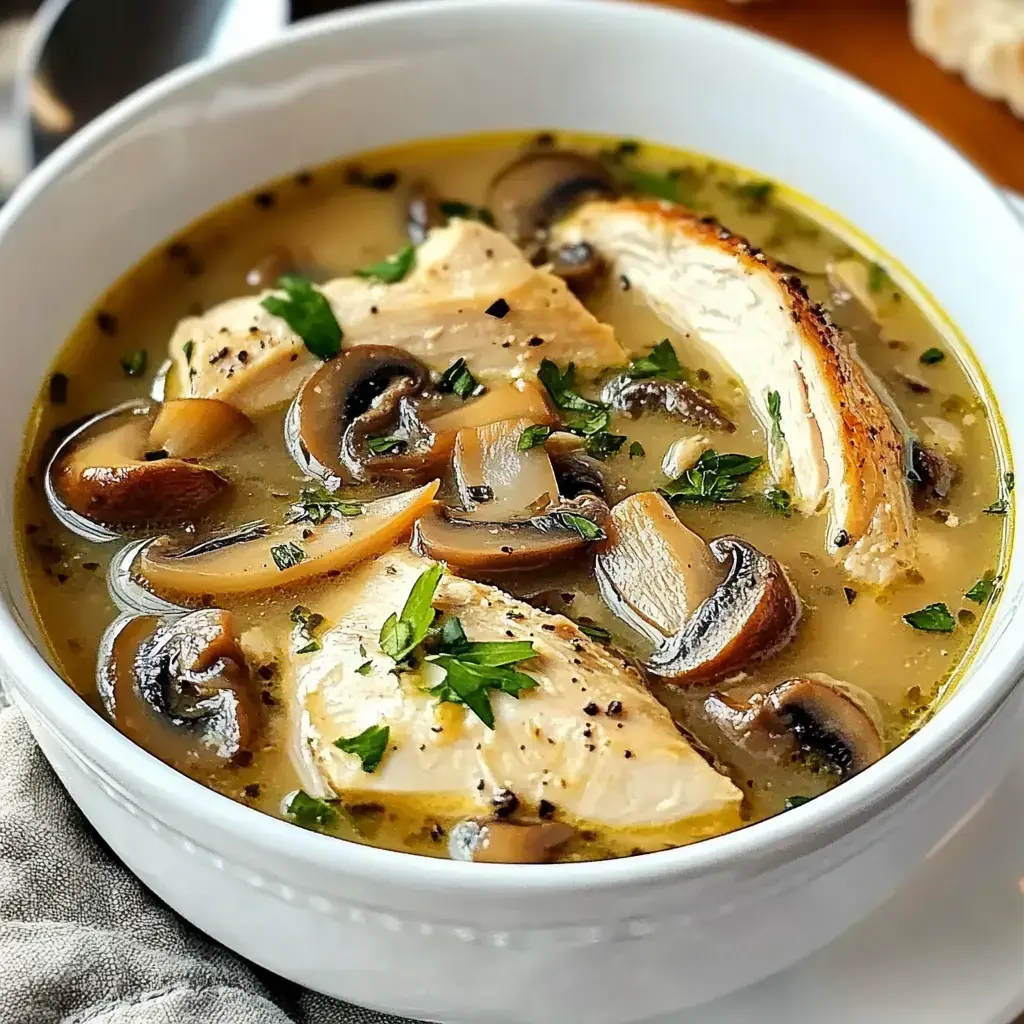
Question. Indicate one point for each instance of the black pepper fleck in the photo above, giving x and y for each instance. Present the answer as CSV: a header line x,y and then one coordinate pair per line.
x,y
264,200
106,322
58,389
591,709
499,309
252,791
615,708
505,802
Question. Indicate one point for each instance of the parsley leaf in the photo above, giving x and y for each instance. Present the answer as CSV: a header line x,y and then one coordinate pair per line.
x,y
369,746
308,622
997,508
308,313
586,528
317,504
401,633
982,591
393,268
456,208
878,278
662,361
1010,480
636,450
458,380
188,348
287,555
712,479
365,669
493,654
533,437
934,618
778,500
468,683
775,412
796,801
386,445
583,416
309,812
649,183
602,444
931,356
134,363
756,193
595,632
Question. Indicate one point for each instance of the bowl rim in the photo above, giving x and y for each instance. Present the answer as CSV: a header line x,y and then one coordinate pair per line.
x,y
814,824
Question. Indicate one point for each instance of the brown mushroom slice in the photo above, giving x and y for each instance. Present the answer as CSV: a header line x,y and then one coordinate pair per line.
x,y
670,396
180,688
578,265
194,428
541,186
752,614
655,573
422,211
497,481
289,554
107,473
815,714
473,545
496,841
578,473
518,399
362,392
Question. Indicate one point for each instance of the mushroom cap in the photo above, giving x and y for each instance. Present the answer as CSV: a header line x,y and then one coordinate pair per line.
x,y
497,841
194,428
670,396
752,614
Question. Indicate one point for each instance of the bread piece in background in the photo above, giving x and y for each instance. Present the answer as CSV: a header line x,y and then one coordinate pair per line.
x,y
981,39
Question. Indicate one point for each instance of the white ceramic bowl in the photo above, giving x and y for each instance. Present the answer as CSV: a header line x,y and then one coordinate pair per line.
x,y
603,942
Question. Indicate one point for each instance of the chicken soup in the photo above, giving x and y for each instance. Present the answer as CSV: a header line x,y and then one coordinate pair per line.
x,y
515,499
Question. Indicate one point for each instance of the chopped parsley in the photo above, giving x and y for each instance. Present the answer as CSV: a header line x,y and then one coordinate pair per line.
x,y
467,211
458,380
796,801
778,500
931,356
393,268
188,348
369,746
636,450
309,812
317,504
602,444
756,193
386,445
649,183
365,669
878,278
134,363
775,412
308,622
308,313
1001,506
713,479
933,618
594,631
403,632
586,528
661,361
287,555
982,591
582,416
533,437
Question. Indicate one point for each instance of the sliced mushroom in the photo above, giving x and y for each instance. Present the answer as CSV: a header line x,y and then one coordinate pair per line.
x,y
814,714
578,473
578,265
496,841
655,573
516,400
472,544
752,614
422,211
194,428
934,475
670,396
108,473
362,392
542,186
683,454
496,480
264,560
180,688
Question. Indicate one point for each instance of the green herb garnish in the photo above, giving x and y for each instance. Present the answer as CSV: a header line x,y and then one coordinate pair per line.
x,y
369,746
796,801
317,504
386,445
533,437
134,363
931,356
308,623
459,381
775,412
308,313
365,668
756,193
650,183
582,415
778,500
401,633
586,528
456,208
393,268
602,444
309,812
188,348
713,479
595,632
661,361
982,591
287,555
636,450
878,278
934,618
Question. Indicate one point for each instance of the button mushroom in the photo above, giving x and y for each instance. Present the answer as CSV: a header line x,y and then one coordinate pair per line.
x,y
516,400
260,559
181,688
540,187
422,211
365,391
815,714
670,396
195,428
578,265
497,841
752,614
107,476
578,473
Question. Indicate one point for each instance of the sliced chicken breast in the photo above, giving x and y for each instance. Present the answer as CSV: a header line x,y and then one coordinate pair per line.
x,y
839,451
241,354
631,775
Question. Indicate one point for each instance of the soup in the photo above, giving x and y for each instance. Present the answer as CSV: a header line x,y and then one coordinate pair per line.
x,y
490,499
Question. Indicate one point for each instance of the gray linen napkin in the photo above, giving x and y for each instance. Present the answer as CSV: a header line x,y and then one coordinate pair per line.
x,y
83,942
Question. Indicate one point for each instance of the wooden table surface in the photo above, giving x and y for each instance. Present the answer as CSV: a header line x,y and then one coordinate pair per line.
x,y
870,40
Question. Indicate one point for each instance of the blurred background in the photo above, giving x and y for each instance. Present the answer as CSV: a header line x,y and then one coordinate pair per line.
x,y
958,64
